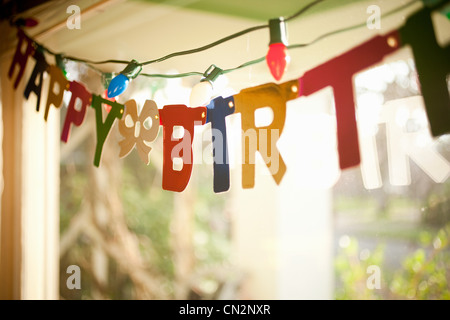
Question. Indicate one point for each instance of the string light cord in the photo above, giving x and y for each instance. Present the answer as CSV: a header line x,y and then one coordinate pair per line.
x,y
90,63
303,10
293,46
190,51
233,36
354,27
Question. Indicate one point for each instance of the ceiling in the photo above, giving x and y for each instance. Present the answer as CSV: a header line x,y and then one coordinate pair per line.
x,y
262,10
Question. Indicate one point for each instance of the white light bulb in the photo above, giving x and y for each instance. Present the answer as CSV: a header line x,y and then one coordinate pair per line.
x,y
201,94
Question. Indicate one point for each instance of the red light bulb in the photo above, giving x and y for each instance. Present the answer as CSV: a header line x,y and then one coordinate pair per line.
x,y
277,60
277,57
30,22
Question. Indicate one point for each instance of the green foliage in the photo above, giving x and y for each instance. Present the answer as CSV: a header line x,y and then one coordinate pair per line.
x,y
351,267
148,213
436,211
424,275
211,234
72,191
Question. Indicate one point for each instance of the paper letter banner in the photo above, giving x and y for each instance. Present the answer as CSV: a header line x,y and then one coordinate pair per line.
x,y
20,58
247,102
103,128
218,110
433,66
179,115
259,133
56,77
338,73
136,134
38,74
73,115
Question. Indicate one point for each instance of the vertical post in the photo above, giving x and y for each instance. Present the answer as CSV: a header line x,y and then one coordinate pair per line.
x,y
29,234
305,244
10,220
39,160
283,235
182,230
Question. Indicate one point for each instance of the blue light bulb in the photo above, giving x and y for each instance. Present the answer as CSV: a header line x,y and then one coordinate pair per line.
x,y
118,85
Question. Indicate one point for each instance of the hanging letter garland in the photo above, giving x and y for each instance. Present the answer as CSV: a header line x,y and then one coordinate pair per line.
x,y
181,148
218,110
433,66
20,58
103,128
55,98
140,129
35,81
136,134
74,116
338,73
263,139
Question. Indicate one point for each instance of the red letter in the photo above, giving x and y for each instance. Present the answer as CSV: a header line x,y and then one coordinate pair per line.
x,y
179,115
19,57
338,73
73,115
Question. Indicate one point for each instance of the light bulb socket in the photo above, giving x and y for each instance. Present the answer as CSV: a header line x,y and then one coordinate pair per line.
x,y
25,22
278,31
132,70
38,47
60,61
446,11
211,74
106,78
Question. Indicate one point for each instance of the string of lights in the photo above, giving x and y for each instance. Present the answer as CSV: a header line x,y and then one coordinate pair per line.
x,y
208,46
276,57
416,31
293,46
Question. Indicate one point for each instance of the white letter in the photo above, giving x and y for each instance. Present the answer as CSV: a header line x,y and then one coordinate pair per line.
x,y
416,144
74,21
374,280
74,281
374,21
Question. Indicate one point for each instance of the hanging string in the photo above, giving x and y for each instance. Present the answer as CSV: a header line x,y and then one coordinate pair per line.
x,y
293,46
304,9
354,27
191,51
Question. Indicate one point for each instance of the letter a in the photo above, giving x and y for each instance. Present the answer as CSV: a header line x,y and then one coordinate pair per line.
x,y
374,280
374,20
74,281
74,21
